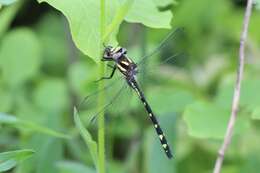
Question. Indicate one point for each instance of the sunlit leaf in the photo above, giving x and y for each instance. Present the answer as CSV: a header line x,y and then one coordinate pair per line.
x,y
147,13
10,159
83,17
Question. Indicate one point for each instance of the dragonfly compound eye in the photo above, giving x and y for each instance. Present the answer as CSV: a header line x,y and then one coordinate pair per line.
x,y
108,52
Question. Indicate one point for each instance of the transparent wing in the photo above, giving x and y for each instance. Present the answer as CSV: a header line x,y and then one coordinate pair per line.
x,y
116,96
168,40
169,55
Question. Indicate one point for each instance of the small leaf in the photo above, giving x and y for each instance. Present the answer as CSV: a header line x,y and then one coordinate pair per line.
x,y
12,120
10,159
92,145
206,120
146,12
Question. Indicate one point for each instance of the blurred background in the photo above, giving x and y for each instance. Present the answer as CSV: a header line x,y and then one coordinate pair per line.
x,y
43,76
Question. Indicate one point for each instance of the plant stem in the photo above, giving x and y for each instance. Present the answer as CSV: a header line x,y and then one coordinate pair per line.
x,y
236,96
101,97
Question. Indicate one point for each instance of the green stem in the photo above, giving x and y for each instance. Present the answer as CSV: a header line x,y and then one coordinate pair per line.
x,y
101,98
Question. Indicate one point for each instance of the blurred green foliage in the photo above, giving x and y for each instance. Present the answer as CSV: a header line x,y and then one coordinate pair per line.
x,y
43,75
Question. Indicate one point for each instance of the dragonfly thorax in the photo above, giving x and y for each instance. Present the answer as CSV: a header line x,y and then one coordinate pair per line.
x,y
114,53
124,64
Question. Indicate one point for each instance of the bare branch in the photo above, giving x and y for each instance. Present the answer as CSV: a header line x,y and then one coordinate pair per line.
x,y
236,96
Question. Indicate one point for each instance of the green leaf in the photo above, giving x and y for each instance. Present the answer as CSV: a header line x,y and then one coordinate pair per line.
x,y
92,145
20,55
119,17
12,120
206,120
10,159
146,12
165,100
73,167
83,17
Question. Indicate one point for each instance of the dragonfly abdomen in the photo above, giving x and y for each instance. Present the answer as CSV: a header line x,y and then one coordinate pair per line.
x,y
155,122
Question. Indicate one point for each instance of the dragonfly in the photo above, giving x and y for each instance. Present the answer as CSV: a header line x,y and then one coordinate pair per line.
x,y
129,70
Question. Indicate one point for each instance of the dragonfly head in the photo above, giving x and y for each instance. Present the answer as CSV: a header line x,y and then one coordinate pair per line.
x,y
113,53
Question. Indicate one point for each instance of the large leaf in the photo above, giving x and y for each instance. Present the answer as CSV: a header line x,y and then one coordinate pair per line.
x,y
92,145
83,17
10,159
206,120
147,13
20,55
12,120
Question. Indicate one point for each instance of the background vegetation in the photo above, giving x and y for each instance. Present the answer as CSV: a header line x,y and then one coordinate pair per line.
x,y
48,65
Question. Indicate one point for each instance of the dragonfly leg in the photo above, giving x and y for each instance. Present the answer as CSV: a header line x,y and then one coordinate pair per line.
x,y
111,75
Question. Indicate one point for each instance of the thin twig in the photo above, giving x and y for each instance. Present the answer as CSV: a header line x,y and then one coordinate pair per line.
x,y
236,96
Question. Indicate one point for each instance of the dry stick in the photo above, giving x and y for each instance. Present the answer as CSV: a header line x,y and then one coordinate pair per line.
x,y
236,95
